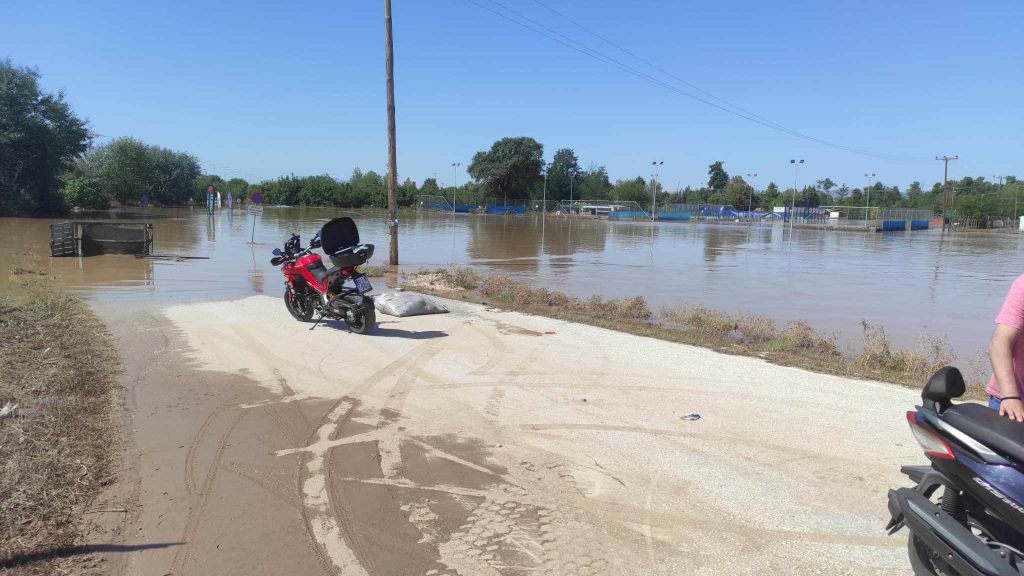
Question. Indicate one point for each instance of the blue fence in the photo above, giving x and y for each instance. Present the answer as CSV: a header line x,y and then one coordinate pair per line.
x,y
627,215
460,208
674,216
506,209
894,225
918,224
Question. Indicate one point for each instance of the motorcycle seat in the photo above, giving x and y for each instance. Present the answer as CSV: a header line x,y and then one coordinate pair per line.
x,y
985,425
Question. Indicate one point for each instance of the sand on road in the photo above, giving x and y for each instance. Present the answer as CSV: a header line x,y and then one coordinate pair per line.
x,y
490,442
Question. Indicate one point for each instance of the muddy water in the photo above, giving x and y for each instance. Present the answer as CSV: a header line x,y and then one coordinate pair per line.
x,y
949,285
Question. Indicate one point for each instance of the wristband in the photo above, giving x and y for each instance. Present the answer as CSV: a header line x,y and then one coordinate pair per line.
x,y
1009,398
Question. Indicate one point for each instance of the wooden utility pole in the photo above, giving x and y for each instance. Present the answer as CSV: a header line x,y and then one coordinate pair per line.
x,y
1001,188
392,152
945,177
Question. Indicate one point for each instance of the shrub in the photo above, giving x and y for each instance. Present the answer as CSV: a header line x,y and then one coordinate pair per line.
x,y
86,193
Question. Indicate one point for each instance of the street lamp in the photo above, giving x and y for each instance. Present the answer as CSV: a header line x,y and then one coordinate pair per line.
x,y
455,170
750,200
572,176
867,196
654,187
796,177
545,204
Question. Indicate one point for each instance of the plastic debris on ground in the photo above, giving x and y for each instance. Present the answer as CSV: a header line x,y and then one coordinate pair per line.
x,y
693,416
406,304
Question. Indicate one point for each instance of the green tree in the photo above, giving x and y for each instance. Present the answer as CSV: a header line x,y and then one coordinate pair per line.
x,y
915,196
809,197
285,191
511,168
40,137
634,190
563,172
826,185
430,187
717,177
771,196
738,193
407,192
368,189
85,193
130,171
201,183
841,193
594,185
238,187
321,190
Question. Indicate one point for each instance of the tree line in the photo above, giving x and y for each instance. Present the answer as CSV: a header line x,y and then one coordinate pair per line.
x,y
48,163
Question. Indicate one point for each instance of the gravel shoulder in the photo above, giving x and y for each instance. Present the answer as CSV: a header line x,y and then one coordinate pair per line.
x,y
489,442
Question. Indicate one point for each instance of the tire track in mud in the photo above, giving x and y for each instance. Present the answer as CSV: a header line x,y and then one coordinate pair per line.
x,y
289,498
517,527
197,440
328,524
194,521
389,458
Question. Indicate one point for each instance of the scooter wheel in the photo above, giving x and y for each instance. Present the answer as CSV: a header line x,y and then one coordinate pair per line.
x,y
362,323
298,306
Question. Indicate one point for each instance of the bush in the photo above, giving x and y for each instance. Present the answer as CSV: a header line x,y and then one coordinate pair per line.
x,y
878,356
802,340
85,193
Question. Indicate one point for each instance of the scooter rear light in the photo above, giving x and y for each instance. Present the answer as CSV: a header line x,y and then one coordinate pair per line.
x,y
932,444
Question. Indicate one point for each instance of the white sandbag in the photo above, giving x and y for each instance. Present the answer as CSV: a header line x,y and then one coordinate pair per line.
x,y
406,304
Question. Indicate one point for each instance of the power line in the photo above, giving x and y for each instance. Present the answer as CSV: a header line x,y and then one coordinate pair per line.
x,y
555,36
648,62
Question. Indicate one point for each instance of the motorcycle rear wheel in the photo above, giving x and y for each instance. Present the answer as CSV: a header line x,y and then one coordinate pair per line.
x,y
298,306
362,323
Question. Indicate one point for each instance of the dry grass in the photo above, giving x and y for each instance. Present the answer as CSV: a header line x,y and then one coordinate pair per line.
x,y
735,333
375,271
450,279
60,445
878,358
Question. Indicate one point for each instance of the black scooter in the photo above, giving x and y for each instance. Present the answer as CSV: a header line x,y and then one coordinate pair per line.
x,y
974,527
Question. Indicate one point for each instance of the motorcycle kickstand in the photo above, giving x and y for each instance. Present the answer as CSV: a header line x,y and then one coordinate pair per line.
x,y
317,323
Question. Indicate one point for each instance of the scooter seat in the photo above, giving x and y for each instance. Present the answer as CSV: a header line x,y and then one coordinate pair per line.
x,y
985,425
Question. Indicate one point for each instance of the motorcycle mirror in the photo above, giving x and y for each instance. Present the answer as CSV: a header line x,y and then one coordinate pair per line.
x,y
277,251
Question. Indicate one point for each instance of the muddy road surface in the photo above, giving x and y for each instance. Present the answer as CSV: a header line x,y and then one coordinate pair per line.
x,y
485,442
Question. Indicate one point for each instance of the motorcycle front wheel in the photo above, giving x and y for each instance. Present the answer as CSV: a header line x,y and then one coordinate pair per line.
x,y
298,306
362,323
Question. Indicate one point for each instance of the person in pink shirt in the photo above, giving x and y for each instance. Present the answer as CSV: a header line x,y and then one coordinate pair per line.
x,y
1006,350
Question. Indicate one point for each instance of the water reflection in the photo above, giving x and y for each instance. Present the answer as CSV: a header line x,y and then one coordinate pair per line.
x,y
950,284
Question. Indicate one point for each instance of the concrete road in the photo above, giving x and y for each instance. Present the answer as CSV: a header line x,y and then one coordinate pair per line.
x,y
485,442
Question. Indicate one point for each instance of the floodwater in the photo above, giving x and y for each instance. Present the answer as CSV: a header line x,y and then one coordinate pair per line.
x,y
950,285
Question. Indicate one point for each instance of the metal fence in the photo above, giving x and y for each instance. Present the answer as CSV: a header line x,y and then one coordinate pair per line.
x,y
612,209
901,219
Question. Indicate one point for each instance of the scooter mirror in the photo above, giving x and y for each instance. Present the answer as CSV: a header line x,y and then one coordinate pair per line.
x,y
277,251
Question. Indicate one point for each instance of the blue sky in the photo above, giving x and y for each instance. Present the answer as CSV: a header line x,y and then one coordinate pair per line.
x,y
258,89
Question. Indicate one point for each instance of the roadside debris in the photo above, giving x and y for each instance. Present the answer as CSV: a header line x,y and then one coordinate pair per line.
x,y
693,416
406,304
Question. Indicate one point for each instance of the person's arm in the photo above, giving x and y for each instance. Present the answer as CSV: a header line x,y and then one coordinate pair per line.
x,y
1000,351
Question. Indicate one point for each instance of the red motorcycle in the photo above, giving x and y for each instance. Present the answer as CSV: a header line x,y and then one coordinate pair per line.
x,y
312,288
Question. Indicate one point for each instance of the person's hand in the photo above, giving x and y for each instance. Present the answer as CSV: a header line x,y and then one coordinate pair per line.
x,y
1012,409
